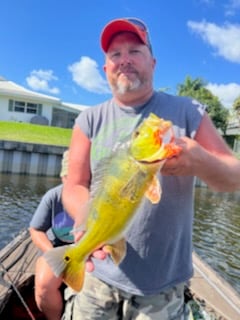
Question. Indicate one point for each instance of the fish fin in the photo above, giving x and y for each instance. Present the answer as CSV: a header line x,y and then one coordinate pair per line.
x,y
128,191
117,250
99,175
55,259
74,275
154,191
70,270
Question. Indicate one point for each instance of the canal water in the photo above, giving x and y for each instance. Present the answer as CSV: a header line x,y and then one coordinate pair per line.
x,y
216,235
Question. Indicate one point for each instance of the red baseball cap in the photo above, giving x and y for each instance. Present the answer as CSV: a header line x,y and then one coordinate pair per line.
x,y
124,24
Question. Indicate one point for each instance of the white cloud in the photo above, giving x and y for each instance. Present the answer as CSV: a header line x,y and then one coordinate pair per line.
x,y
232,7
39,81
86,74
224,39
226,93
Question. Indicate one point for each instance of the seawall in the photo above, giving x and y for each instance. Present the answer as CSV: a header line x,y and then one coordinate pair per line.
x,y
35,159
30,158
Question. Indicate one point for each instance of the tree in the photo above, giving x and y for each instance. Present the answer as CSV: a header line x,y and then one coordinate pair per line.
x,y
196,89
236,107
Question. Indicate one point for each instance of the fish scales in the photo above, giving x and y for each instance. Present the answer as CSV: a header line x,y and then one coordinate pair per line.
x,y
114,204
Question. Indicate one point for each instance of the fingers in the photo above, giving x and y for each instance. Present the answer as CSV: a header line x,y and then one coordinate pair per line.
x,y
172,166
89,266
98,254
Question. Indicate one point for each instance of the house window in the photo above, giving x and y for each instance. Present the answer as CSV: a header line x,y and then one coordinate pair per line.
x,y
19,106
25,107
31,108
63,118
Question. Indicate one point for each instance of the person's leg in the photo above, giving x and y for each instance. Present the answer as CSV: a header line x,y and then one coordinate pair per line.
x,y
96,301
168,305
47,291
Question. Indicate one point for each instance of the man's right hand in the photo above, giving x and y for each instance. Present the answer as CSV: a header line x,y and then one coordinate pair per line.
x,y
100,253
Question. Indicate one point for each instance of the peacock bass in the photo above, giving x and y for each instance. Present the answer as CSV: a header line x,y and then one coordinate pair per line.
x,y
130,175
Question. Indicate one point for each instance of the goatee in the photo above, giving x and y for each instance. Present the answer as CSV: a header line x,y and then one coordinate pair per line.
x,y
131,86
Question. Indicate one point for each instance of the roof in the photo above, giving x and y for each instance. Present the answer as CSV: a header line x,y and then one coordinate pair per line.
x,y
9,88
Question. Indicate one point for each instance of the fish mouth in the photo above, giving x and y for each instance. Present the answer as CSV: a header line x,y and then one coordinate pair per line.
x,y
156,157
151,162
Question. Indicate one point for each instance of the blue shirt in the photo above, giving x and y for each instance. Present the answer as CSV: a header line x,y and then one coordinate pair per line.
x,y
51,217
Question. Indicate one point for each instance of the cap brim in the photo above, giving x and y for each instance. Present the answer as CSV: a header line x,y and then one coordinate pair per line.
x,y
117,26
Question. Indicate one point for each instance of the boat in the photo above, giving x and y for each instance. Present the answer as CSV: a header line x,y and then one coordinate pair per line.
x,y
17,263
208,294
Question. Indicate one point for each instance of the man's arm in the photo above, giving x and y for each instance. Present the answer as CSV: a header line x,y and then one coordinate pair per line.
x,y
207,157
75,195
40,239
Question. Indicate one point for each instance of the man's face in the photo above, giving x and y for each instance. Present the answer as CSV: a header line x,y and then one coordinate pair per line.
x,y
129,64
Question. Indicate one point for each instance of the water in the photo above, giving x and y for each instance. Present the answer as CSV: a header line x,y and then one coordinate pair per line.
x,y
216,235
19,197
216,228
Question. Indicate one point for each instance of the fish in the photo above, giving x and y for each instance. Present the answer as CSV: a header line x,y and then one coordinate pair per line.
x,y
130,175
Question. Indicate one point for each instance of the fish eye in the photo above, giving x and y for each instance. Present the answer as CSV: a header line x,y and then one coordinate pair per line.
x,y
136,133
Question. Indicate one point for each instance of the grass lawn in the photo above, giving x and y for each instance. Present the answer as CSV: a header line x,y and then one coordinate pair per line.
x,y
32,133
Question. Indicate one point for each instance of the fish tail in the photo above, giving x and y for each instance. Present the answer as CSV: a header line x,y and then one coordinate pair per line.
x,y
64,265
55,259
74,274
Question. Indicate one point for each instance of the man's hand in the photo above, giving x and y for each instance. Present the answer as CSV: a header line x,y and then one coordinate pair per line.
x,y
100,253
185,163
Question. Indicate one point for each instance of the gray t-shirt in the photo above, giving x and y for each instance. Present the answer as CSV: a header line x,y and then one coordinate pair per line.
x,y
159,242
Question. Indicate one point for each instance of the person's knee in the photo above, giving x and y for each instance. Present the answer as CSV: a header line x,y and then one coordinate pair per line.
x,y
47,290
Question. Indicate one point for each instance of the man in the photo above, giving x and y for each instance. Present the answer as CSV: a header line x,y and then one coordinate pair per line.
x,y
50,227
149,282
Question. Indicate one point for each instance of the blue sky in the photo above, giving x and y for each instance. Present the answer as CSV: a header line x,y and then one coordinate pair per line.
x,y
52,46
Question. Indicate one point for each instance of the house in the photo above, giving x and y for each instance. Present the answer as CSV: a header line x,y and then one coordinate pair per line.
x,y
22,105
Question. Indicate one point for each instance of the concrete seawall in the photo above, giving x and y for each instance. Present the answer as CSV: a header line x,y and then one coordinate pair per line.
x,y
35,159
30,158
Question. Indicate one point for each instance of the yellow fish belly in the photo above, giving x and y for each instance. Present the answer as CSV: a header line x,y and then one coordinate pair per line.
x,y
111,210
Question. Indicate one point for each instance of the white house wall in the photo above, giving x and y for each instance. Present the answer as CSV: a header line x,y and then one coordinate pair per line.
x,y
11,91
7,115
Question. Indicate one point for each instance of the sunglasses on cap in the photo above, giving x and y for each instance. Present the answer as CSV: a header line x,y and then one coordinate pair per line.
x,y
125,24
141,25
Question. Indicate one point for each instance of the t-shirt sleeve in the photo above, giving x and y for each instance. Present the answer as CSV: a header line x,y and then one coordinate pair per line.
x,y
41,219
197,110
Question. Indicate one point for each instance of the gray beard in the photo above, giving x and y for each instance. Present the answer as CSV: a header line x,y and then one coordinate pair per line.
x,y
122,89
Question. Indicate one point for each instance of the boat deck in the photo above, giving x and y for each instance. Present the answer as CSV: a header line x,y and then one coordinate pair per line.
x,y
17,261
214,291
17,264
